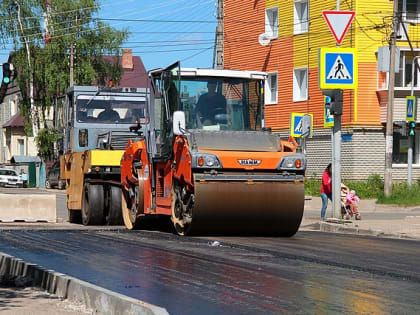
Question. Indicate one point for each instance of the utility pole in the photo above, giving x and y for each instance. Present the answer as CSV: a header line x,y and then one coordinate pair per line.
x,y
71,64
220,34
390,107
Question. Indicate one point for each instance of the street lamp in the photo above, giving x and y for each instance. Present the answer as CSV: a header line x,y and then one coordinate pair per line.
x,y
412,74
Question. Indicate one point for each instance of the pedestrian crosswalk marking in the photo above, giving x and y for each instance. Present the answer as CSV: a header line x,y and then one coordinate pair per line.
x,y
339,70
299,128
410,108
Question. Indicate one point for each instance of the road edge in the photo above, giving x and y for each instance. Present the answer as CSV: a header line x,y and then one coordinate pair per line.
x,y
342,229
99,299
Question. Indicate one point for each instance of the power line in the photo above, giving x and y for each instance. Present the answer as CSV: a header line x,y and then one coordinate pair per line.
x,y
53,13
90,20
196,54
171,41
169,45
171,50
153,21
172,32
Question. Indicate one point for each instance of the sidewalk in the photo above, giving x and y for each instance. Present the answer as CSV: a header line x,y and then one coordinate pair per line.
x,y
377,220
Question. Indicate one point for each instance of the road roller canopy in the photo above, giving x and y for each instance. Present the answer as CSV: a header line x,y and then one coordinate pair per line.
x,y
222,99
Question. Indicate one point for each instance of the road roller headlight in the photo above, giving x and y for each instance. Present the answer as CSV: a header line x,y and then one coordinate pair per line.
x,y
205,160
295,161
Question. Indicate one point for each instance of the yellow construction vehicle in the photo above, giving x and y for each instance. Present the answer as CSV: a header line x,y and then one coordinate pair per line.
x,y
96,134
205,159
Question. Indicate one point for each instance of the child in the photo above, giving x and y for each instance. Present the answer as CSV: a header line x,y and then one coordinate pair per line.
x,y
351,201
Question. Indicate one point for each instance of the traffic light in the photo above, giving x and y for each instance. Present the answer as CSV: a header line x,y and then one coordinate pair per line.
x,y
411,128
7,72
334,101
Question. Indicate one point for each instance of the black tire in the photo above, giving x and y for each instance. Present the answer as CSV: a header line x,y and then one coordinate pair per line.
x,y
114,216
75,216
132,220
47,184
181,228
93,205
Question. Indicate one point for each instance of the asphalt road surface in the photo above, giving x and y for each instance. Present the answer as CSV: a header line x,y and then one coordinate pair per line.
x,y
313,272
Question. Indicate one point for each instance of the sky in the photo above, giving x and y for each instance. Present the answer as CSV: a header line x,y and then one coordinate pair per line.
x,y
158,41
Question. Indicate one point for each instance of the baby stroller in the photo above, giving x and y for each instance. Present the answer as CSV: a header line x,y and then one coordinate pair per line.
x,y
349,204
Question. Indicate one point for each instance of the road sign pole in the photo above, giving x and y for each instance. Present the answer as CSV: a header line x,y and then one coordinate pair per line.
x,y
337,167
409,160
337,158
338,70
333,170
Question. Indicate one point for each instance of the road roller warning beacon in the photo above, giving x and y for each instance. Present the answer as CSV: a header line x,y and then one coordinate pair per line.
x,y
206,160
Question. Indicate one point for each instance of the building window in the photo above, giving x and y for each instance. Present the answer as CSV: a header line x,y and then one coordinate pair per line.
x,y
410,10
272,22
400,149
300,84
21,146
403,77
271,90
301,16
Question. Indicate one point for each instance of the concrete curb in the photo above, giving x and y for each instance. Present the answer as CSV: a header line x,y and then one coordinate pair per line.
x,y
101,300
340,228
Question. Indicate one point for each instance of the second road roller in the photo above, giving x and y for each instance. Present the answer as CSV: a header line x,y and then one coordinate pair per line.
x,y
206,160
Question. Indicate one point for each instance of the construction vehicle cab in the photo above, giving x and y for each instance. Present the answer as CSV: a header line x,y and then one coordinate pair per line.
x,y
208,162
96,133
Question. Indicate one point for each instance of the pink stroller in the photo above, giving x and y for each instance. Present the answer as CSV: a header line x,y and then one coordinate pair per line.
x,y
349,204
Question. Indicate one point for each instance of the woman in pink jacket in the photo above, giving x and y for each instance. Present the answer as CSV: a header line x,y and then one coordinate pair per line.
x,y
326,190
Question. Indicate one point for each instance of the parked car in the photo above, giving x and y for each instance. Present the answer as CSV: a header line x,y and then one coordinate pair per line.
x,y
53,177
10,178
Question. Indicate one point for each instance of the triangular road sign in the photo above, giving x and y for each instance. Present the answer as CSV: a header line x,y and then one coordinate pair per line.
x,y
339,22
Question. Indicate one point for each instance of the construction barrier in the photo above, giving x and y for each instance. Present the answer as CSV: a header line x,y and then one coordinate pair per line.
x,y
28,208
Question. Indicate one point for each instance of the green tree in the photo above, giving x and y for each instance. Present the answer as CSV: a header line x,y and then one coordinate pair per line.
x,y
42,32
45,142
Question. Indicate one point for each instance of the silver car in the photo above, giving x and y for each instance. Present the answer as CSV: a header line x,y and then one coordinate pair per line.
x,y
10,178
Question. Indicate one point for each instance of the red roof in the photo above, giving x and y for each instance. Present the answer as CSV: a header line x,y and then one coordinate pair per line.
x,y
136,77
15,121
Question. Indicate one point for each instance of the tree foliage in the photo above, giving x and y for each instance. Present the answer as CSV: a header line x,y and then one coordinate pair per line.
x,y
45,142
69,22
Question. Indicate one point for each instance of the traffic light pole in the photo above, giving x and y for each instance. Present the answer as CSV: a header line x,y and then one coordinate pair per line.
x,y
335,107
410,161
336,183
336,193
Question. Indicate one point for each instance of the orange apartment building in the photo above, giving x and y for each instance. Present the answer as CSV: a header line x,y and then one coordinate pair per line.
x,y
297,30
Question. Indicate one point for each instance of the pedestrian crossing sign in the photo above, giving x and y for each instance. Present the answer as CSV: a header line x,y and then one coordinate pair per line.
x,y
338,68
411,108
297,125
